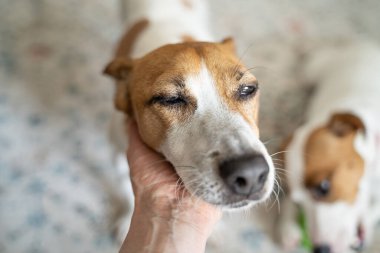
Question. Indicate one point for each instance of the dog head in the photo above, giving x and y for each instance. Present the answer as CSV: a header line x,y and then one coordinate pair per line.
x,y
198,105
326,172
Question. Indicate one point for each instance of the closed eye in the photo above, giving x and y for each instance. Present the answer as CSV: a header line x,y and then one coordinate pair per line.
x,y
168,101
247,91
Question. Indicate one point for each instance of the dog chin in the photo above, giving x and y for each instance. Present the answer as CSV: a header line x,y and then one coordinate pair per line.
x,y
241,203
237,205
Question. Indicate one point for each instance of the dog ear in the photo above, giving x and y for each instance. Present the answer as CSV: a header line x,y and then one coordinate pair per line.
x,y
229,44
342,124
119,68
121,98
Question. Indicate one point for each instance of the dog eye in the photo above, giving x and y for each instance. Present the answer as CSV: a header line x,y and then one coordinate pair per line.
x,y
247,91
169,100
322,189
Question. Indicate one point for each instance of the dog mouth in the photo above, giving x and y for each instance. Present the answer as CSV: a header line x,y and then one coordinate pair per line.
x,y
230,184
239,204
227,199
235,202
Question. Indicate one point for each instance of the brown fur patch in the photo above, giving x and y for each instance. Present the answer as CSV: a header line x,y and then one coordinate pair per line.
x,y
331,156
187,38
187,3
125,45
154,74
229,74
344,123
229,44
121,67
160,72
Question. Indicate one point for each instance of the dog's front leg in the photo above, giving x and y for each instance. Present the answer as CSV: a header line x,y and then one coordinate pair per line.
x,y
289,232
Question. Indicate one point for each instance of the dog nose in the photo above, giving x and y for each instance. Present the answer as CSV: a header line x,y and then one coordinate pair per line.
x,y
245,175
322,249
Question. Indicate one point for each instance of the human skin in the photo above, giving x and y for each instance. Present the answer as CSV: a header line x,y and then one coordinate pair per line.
x,y
166,217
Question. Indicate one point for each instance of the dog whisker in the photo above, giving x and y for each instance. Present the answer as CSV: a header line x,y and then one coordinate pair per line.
x,y
282,173
270,140
279,178
280,152
281,170
277,199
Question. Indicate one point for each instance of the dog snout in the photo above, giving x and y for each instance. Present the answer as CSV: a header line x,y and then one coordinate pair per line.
x,y
245,175
322,249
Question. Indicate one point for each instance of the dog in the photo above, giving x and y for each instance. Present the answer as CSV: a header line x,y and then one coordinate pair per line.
x,y
193,101
332,160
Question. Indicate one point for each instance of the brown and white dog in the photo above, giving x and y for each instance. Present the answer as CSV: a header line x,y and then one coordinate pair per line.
x,y
332,161
193,101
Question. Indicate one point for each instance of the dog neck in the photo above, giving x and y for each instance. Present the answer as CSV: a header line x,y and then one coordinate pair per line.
x,y
168,22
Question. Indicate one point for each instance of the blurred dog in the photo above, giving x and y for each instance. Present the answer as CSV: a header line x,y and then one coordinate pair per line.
x,y
193,101
332,161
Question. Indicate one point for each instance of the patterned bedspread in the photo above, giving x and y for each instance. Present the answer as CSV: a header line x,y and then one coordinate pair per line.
x,y
57,182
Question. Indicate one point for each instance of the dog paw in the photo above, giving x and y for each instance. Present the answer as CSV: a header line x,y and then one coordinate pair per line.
x,y
290,237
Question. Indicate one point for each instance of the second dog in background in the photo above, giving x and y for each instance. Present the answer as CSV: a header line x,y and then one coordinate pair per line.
x,y
332,161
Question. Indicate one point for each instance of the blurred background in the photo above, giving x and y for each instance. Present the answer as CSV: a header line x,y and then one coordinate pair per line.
x,y
58,191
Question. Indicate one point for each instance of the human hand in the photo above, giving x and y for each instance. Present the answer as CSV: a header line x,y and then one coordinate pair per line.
x,y
181,221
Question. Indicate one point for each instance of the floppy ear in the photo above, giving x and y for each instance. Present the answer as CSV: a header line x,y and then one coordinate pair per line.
x,y
229,44
342,124
119,68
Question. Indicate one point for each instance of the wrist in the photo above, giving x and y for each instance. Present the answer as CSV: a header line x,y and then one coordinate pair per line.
x,y
189,210
167,228
156,234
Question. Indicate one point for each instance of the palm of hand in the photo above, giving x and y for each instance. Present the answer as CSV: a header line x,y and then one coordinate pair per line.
x,y
153,177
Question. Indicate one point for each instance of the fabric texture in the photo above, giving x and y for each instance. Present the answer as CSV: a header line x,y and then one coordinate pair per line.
x,y
57,181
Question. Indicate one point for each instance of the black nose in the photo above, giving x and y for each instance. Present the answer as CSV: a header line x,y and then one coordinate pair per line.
x,y
322,249
245,175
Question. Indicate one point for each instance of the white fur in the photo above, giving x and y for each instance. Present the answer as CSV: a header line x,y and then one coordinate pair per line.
x,y
348,80
169,20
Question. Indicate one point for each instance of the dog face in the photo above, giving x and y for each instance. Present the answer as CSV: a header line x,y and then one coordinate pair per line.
x,y
333,167
198,105
331,181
